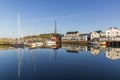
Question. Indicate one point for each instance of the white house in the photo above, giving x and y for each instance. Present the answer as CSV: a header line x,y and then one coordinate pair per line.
x,y
112,34
74,33
75,36
94,35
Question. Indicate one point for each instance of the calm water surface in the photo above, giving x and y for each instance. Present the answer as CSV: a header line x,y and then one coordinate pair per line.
x,y
70,62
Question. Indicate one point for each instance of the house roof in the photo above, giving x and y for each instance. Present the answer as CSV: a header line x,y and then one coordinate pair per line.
x,y
113,28
84,34
99,31
73,32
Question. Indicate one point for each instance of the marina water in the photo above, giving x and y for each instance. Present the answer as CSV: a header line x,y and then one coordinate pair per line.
x,y
69,62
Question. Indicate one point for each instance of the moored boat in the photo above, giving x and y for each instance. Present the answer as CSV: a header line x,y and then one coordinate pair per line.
x,y
94,43
103,43
50,42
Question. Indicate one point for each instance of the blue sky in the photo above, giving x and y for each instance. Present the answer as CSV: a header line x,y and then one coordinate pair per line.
x,y
38,16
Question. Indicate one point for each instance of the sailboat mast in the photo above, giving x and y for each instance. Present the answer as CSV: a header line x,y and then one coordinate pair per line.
x,y
18,27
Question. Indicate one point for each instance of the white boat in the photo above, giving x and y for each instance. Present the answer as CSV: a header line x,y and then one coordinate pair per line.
x,y
50,42
94,42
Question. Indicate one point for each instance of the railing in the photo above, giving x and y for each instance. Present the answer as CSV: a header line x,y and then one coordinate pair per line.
x,y
110,39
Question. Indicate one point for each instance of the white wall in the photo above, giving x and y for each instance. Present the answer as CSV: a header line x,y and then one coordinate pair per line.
x,y
94,35
113,32
75,38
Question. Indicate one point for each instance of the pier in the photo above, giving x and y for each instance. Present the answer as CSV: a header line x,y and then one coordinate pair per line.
x,y
113,43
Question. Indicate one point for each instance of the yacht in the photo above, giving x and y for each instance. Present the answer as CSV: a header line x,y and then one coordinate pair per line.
x,y
50,42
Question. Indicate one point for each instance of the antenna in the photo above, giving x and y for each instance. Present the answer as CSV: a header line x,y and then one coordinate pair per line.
x,y
55,30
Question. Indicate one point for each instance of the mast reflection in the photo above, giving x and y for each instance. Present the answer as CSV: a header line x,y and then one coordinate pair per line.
x,y
19,62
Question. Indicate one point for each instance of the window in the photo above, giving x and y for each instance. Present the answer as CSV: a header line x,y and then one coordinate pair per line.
x,y
117,33
81,39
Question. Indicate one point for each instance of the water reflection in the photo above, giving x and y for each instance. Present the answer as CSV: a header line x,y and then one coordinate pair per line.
x,y
95,50
30,59
56,46
74,48
44,62
20,57
5,47
110,52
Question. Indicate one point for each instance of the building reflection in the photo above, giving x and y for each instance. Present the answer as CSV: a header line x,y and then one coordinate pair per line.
x,y
95,50
113,53
73,48
110,52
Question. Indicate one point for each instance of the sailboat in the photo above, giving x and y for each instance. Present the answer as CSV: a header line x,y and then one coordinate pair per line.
x,y
18,44
50,42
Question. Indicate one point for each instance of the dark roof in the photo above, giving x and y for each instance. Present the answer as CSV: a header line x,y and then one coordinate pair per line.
x,y
73,32
99,31
86,34
113,27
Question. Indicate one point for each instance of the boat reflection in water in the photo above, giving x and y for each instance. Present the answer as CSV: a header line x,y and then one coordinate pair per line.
x,y
35,45
55,46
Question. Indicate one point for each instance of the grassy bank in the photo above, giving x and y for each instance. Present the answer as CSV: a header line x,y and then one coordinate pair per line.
x,y
4,42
